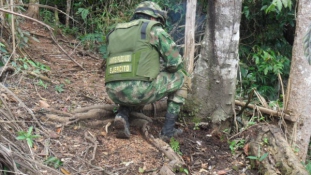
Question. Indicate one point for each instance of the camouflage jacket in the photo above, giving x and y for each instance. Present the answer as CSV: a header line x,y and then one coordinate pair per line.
x,y
167,48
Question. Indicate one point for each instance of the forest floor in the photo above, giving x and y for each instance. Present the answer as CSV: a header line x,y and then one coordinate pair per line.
x,y
204,150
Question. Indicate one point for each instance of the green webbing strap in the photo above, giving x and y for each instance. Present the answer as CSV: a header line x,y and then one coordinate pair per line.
x,y
144,29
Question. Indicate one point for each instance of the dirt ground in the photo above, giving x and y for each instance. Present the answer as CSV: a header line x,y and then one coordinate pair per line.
x,y
203,150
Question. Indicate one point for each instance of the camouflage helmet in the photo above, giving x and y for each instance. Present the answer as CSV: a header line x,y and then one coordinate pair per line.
x,y
152,9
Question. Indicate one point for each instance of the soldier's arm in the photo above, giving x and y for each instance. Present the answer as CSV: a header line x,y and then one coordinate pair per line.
x,y
167,48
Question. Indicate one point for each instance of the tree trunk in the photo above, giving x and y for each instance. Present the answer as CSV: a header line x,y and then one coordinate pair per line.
x,y
189,34
299,99
33,9
215,72
68,12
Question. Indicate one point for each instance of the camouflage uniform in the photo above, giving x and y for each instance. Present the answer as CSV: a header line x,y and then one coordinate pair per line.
x,y
167,83
143,69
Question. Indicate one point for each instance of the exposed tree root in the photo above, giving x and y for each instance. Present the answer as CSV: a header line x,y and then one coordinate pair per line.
x,y
269,140
174,160
104,117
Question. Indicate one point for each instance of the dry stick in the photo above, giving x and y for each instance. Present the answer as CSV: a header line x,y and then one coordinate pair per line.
x,y
94,141
6,64
48,7
22,156
23,105
27,17
38,93
284,102
60,47
49,28
250,96
44,78
267,111
17,14
261,99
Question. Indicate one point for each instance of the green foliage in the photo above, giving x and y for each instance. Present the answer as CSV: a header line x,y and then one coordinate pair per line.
x,y
277,5
53,161
22,135
196,126
183,170
59,88
47,16
3,54
308,166
175,145
265,141
83,12
92,40
261,71
235,145
259,158
26,64
41,83
265,45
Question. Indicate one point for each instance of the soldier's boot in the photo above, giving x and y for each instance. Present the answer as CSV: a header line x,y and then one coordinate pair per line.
x,y
169,129
121,123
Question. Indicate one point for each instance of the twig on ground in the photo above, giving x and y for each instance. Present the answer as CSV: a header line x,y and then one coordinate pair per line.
x,y
107,126
38,93
94,141
44,78
24,106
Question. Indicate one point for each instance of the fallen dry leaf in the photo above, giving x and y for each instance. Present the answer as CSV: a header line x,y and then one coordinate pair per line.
x,y
53,135
43,104
203,170
221,172
64,171
103,134
246,148
58,130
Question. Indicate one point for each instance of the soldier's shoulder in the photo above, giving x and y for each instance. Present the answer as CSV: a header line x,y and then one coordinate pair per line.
x,y
158,30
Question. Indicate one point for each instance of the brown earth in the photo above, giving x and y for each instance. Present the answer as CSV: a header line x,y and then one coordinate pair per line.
x,y
205,151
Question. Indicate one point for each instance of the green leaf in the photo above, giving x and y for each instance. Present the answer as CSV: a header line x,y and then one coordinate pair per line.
x,y
285,3
51,159
252,157
279,4
58,163
263,156
141,170
30,130
21,137
34,136
270,8
29,142
31,63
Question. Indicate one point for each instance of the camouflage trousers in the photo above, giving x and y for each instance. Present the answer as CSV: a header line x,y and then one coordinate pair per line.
x,y
140,93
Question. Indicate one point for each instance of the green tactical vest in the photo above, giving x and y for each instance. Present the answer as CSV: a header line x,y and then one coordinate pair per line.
x,y
130,54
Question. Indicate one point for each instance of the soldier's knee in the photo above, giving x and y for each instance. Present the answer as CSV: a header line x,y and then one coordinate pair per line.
x,y
182,92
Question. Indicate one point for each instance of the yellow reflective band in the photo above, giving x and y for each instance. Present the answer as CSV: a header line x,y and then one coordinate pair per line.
x,y
120,69
120,59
